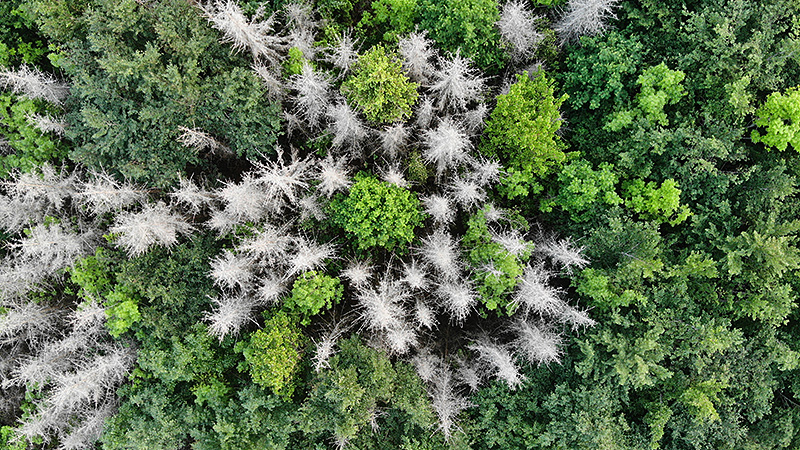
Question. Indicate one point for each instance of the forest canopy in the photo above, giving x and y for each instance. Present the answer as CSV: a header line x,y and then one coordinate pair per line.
x,y
415,224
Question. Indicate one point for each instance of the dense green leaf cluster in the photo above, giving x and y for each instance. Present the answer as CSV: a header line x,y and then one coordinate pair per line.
x,y
780,114
273,354
378,214
313,292
522,131
467,27
379,88
31,147
496,271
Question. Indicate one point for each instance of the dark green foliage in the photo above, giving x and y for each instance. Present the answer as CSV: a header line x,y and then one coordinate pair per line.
x,y
377,214
253,419
388,20
345,399
20,42
141,72
312,293
554,411
192,355
465,26
600,72
522,131
273,354
173,284
379,88
177,390
762,257
341,15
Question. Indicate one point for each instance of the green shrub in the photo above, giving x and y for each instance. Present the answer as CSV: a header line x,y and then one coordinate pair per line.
x,y
294,63
93,274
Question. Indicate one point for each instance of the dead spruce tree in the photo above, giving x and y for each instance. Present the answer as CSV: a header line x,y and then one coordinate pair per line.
x,y
517,27
34,84
255,34
585,18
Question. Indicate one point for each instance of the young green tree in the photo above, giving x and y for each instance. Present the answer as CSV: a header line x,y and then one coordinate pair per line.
x,y
378,214
660,87
497,268
582,191
312,293
274,353
522,131
379,88
387,20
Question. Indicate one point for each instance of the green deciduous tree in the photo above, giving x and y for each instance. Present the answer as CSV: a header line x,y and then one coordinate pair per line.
x,y
379,88
32,146
496,270
780,115
274,353
465,26
387,20
378,214
522,131
582,190
122,312
660,87
20,42
312,293
662,203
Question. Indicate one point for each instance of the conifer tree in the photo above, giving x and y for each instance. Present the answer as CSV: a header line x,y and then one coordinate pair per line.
x,y
585,18
517,27
155,224
33,84
253,34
